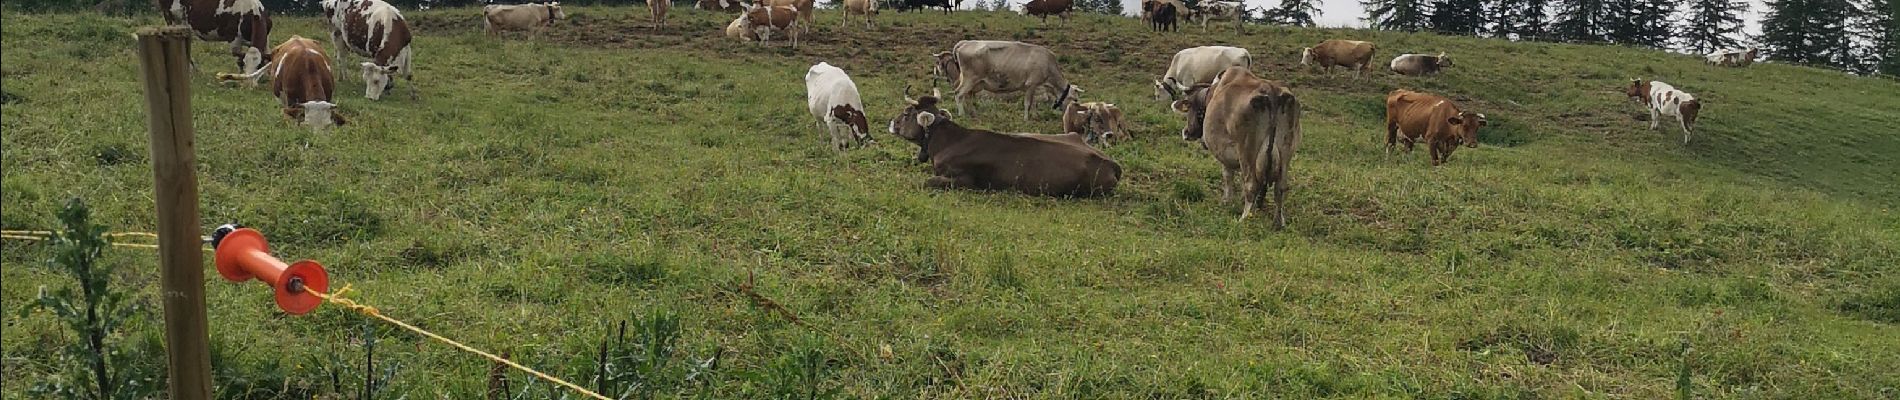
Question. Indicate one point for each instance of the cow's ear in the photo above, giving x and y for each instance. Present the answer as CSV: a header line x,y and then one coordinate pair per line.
x,y
1180,106
925,119
1455,120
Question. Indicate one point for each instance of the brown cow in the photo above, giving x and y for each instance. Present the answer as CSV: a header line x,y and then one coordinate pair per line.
x,y
866,8
1043,165
1252,127
1353,54
1099,123
1161,15
807,11
242,23
658,10
1046,8
1411,115
302,80
763,20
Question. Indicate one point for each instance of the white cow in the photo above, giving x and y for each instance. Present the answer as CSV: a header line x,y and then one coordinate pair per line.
x,y
834,100
1220,11
1733,58
1198,65
534,18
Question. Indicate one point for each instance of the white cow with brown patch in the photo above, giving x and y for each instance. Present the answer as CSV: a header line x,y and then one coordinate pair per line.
x,y
376,30
833,99
245,24
535,18
1662,99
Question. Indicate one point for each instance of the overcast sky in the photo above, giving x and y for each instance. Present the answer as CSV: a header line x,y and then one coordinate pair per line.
x,y
1348,13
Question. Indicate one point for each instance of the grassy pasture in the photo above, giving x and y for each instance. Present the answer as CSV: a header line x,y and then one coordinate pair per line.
x,y
539,191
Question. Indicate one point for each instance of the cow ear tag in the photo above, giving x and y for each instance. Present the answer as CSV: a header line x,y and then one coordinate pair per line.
x,y
925,119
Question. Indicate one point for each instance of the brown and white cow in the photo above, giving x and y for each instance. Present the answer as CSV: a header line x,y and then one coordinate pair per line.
x,y
1046,8
1252,127
534,18
764,20
302,80
866,8
1098,123
1411,116
376,30
1352,54
740,28
657,9
1420,64
1003,67
1663,99
964,158
720,5
242,23
1734,58
807,11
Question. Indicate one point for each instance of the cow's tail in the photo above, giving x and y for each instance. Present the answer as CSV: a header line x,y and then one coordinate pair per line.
x,y
1688,111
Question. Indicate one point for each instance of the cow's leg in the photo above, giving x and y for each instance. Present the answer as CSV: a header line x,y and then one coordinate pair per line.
x,y
1653,118
1029,101
954,180
1226,185
1279,203
1685,129
1391,136
1433,148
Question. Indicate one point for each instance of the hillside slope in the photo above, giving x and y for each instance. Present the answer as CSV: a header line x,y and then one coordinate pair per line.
x,y
539,191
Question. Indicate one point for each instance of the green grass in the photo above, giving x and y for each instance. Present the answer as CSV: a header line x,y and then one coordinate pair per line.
x,y
540,191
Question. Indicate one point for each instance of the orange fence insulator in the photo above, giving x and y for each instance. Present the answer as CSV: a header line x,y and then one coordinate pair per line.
x,y
242,254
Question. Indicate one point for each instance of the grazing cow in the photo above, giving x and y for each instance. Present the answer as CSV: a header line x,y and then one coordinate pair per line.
x,y
806,11
302,81
720,5
1003,67
833,99
657,9
1196,66
1252,127
763,20
1662,99
739,29
1410,116
1046,8
242,23
1734,58
1352,54
1098,123
529,17
907,5
1220,11
376,30
1161,15
1042,165
866,8
1420,64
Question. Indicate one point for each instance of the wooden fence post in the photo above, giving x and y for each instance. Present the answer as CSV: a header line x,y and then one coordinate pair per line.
x,y
163,61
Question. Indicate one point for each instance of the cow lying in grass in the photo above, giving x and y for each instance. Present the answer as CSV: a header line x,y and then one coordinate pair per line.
x,y
963,158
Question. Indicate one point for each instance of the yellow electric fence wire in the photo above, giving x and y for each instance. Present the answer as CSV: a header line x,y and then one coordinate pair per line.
x,y
338,299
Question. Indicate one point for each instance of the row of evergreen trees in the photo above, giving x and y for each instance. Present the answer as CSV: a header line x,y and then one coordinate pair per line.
x,y
1854,35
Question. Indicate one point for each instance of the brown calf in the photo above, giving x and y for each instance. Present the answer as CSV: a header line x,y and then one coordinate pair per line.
x,y
1099,123
1411,115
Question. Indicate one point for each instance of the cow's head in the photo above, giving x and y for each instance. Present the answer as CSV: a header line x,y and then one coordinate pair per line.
x,y
917,119
377,79
854,118
555,13
1306,56
1103,118
946,67
1069,94
1194,107
1443,60
1168,89
318,115
1467,124
1638,90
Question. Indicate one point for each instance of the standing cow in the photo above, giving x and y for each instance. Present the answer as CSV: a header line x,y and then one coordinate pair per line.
x,y
242,23
1662,99
376,30
963,158
1046,8
302,80
1252,127
1003,67
807,11
866,8
1220,11
764,20
657,9
1198,65
1411,116
534,18
1420,64
1352,54
907,5
833,99
1162,15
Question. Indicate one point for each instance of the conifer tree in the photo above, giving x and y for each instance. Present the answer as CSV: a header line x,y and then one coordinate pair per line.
x,y
1713,25
1812,32
1397,15
1582,21
1292,12
1524,19
1460,17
